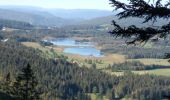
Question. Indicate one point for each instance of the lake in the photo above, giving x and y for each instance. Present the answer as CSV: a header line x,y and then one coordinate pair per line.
x,y
80,48
70,42
85,51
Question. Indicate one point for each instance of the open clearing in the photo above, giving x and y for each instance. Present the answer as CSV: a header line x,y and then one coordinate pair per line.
x,y
32,44
159,72
163,62
106,60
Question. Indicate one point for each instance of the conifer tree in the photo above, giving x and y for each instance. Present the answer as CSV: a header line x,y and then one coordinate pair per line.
x,y
25,86
5,85
149,10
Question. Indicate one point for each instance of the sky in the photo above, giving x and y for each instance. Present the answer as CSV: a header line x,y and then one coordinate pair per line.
x,y
66,4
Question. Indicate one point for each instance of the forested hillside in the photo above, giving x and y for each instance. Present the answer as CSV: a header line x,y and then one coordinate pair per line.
x,y
74,14
14,24
107,20
49,17
84,54
65,80
39,19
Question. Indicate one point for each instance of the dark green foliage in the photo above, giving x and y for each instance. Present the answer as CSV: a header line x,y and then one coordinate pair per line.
x,y
135,52
94,66
142,9
25,86
6,85
44,43
67,81
151,93
81,96
64,80
4,96
146,87
110,94
5,88
134,66
58,77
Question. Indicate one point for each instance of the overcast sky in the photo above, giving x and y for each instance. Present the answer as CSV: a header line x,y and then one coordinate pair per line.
x,y
67,4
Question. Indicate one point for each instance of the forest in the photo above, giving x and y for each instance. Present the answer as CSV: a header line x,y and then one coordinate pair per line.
x,y
128,59
68,81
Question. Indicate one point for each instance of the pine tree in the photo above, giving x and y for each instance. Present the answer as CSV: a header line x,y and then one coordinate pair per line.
x,y
25,86
149,11
5,86
7,83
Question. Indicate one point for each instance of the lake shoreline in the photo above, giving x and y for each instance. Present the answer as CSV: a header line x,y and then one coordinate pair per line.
x,y
72,46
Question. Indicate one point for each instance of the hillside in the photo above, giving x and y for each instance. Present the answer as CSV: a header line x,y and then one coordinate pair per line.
x,y
14,24
67,81
97,21
79,13
124,22
44,19
49,17
70,55
63,13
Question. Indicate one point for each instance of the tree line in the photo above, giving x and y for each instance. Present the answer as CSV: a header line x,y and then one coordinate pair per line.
x,y
64,80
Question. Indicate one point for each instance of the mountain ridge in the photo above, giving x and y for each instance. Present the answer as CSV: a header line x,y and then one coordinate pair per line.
x,y
49,17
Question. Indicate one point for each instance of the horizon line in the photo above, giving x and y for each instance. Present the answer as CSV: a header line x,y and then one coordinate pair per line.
x,y
55,8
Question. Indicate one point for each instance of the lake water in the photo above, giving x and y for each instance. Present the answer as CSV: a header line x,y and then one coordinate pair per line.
x,y
74,47
70,42
85,51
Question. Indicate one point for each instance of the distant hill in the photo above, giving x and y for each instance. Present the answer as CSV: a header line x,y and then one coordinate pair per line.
x,y
62,13
44,19
123,22
79,13
98,21
14,24
64,16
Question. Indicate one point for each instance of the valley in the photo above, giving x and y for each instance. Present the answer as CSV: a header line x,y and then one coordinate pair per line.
x,y
73,56
81,53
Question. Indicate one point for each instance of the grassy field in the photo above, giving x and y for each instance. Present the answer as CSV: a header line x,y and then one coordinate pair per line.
x,y
46,50
163,62
106,60
162,72
34,45
109,59
159,72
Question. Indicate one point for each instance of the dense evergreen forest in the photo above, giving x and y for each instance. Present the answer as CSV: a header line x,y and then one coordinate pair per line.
x,y
135,66
61,79
67,81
